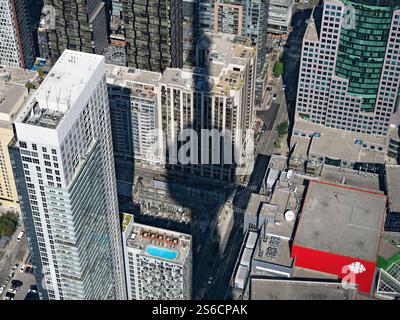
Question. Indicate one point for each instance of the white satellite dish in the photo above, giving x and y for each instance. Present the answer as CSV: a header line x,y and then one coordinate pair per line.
x,y
289,216
289,174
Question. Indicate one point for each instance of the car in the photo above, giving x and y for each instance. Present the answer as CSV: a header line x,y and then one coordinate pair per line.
x,y
22,268
9,295
16,283
33,289
13,290
210,279
2,288
274,96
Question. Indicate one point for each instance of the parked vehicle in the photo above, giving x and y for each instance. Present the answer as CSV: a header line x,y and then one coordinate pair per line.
x,y
20,235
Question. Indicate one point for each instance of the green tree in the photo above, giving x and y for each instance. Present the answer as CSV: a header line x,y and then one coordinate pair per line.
x,y
278,69
283,128
40,72
29,85
8,224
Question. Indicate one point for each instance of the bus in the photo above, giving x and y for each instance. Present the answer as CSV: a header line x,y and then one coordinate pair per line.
x,y
20,236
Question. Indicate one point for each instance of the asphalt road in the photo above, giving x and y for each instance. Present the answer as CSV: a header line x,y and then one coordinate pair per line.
x,y
14,253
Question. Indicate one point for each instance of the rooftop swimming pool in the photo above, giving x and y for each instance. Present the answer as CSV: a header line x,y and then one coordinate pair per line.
x,y
161,253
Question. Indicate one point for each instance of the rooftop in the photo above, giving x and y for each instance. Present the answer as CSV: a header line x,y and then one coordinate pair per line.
x,y
355,178
224,61
68,81
139,81
393,187
279,289
341,220
323,141
12,97
142,237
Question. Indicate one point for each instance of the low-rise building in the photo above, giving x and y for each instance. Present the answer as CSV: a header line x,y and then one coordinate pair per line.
x,y
338,232
314,145
13,95
281,289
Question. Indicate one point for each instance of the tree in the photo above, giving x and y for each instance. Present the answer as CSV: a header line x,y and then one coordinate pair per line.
x,y
278,69
8,224
283,128
40,72
29,85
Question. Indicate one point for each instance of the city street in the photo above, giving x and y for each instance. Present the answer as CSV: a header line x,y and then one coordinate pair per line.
x,y
14,253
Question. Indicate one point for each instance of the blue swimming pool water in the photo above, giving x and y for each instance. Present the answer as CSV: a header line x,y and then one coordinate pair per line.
x,y
161,253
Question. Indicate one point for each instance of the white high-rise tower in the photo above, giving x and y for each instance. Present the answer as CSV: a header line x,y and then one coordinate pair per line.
x,y
64,137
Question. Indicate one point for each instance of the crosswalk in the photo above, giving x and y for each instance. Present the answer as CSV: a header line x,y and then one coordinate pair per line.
x,y
245,186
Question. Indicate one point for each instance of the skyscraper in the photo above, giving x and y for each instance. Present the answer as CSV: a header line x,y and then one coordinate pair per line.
x,y
153,32
16,41
79,25
133,98
350,66
241,17
64,138
218,94
158,262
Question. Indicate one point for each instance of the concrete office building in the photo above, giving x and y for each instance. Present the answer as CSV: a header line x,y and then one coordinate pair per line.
x,y
16,41
240,17
218,94
13,95
280,16
158,262
65,146
79,25
153,34
350,66
133,96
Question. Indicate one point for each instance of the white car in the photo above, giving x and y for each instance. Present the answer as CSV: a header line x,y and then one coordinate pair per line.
x,y
22,268
2,288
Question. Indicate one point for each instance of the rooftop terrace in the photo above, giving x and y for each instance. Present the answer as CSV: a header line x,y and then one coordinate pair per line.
x,y
144,237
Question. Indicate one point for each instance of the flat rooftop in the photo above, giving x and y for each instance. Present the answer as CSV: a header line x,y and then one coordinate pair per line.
x,y
341,220
65,85
279,289
227,56
12,97
351,143
355,178
16,75
140,82
393,187
177,245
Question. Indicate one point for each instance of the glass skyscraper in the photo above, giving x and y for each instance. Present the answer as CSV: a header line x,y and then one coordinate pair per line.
x,y
350,66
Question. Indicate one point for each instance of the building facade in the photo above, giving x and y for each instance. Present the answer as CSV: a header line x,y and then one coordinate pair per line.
x,y
218,94
13,95
158,262
65,147
241,17
350,71
133,96
153,34
16,41
79,25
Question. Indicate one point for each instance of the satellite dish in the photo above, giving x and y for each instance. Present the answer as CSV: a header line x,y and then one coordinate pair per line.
x,y
289,216
289,174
